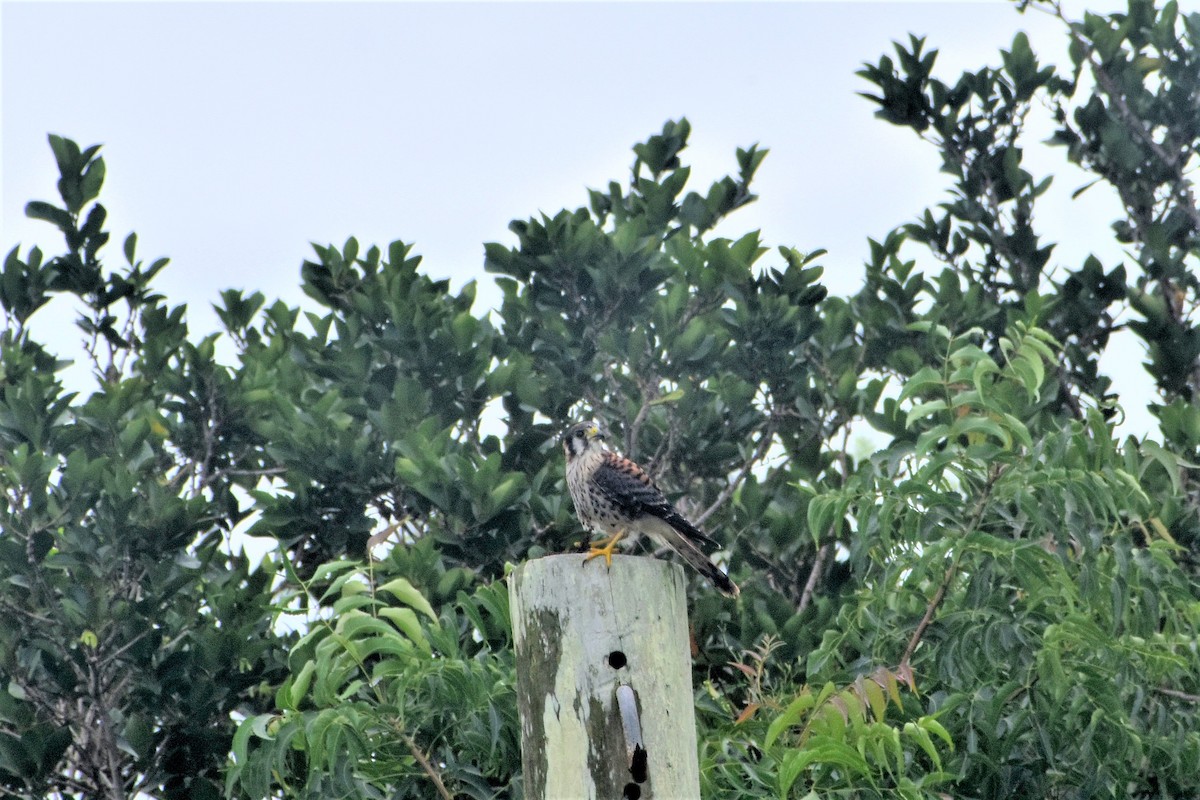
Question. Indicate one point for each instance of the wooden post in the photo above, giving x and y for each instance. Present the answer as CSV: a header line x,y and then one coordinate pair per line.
x,y
593,642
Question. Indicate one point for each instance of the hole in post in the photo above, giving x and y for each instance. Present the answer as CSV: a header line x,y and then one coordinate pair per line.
x,y
617,660
639,769
632,792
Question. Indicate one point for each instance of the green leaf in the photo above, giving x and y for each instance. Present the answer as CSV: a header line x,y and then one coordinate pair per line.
x,y
670,397
935,727
922,410
405,619
925,378
406,593
36,209
1170,462
790,716
792,765
301,683
93,179
506,491
66,153
875,698
921,736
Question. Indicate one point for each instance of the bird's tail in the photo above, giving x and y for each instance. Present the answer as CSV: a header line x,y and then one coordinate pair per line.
x,y
685,543
714,574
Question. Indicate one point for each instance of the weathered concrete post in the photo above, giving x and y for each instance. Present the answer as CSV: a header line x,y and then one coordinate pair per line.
x,y
604,679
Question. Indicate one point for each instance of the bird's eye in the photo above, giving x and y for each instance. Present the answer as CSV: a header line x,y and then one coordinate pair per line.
x,y
578,434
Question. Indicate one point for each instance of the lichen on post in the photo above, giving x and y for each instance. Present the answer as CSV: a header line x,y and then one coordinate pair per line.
x,y
581,633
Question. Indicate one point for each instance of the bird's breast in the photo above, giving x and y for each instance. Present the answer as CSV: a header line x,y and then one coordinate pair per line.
x,y
594,509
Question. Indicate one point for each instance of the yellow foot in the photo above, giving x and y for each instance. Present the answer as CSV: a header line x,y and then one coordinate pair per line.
x,y
604,548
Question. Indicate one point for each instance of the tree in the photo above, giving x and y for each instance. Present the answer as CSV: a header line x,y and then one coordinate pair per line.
x,y
129,632
1000,599
1035,577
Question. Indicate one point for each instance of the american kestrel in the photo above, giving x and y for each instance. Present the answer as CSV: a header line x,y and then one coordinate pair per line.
x,y
613,495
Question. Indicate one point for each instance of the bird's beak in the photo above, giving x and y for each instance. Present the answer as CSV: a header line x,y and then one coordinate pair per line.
x,y
593,431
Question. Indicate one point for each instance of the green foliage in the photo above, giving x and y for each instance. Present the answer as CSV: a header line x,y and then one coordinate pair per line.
x,y
994,598
1065,628
377,672
1120,114
129,632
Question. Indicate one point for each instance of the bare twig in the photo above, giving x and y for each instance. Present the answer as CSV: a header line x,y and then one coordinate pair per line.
x,y
209,422
662,454
428,768
764,443
1191,698
120,651
843,462
241,473
778,576
635,427
940,594
1181,188
98,719
814,575
9,608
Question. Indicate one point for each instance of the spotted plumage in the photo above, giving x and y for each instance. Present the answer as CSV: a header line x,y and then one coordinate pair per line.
x,y
615,496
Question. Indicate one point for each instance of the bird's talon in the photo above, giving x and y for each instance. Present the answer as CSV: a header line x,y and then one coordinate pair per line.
x,y
605,549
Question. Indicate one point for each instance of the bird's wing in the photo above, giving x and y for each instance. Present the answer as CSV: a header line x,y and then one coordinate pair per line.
x,y
631,489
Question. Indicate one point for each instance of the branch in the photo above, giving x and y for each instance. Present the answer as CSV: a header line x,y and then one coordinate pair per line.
x,y
426,766
120,651
1191,698
635,427
763,443
243,473
104,755
814,575
778,577
1181,187
209,423
10,608
940,594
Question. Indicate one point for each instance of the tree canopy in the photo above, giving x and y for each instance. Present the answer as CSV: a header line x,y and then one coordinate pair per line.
x,y
998,597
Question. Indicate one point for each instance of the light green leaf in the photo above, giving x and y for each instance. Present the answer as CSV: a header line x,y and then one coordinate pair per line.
x,y
923,410
670,397
406,593
790,716
925,378
932,725
301,683
406,620
921,737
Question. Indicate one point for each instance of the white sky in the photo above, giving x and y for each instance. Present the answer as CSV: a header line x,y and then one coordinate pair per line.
x,y
237,133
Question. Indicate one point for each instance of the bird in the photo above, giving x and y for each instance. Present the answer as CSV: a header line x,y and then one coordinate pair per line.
x,y
614,495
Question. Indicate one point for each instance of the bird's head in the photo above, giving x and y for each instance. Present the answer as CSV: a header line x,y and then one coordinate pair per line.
x,y
581,437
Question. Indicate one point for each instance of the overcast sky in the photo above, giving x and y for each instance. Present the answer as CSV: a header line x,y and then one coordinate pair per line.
x,y
237,133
